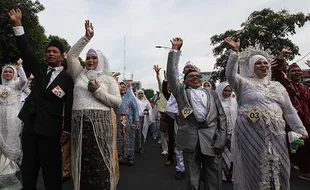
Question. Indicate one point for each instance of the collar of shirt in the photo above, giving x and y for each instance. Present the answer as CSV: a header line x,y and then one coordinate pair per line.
x,y
54,74
199,103
57,69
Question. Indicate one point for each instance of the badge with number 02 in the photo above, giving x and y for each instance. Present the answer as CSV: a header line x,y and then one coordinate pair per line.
x,y
186,111
254,115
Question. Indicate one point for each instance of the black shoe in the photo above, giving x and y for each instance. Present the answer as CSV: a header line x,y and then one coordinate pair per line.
x,y
168,163
130,162
179,175
141,150
64,179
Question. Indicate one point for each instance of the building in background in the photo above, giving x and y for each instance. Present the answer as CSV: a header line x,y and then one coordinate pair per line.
x,y
206,75
136,85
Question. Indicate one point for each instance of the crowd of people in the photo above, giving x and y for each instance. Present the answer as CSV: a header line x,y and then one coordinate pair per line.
x,y
82,122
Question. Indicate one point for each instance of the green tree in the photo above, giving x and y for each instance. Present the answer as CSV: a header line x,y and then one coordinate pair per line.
x,y
266,28
82,62
149,93
62,40
35,32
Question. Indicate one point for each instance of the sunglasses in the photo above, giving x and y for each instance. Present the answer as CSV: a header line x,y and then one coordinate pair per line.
x,y
190,76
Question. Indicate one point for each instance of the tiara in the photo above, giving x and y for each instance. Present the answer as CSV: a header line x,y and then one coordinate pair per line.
x,y
246,54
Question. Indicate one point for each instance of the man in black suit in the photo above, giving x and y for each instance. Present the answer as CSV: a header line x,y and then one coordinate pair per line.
x,y
51,96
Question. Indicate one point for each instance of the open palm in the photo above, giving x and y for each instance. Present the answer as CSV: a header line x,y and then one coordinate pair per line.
x,y
156,68
234,45
15,15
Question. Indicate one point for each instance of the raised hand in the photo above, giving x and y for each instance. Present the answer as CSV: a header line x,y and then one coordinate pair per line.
x,y
286,50
156,69
176,43
19,63
234,45
16,16
89,30
116,74
308,63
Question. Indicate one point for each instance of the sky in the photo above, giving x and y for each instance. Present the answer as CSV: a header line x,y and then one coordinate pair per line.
x,y
147,23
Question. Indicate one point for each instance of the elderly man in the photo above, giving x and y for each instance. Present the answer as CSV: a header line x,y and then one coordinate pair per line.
x,y
202,124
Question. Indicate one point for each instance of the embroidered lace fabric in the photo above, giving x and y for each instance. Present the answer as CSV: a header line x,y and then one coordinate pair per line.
x,y
103,131
96,107
10,129
260,154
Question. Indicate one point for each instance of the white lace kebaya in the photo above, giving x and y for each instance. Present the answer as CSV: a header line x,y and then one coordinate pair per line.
x,y
260,154
95,108
10,127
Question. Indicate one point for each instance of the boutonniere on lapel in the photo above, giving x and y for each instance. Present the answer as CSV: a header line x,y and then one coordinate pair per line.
x,y
58,91
4,93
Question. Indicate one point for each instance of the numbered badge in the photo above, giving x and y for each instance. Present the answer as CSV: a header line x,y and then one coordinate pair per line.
x,y
4,93
58,91
254,115
187,111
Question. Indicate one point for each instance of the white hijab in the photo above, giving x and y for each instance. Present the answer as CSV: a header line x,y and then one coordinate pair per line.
x,y
143,103
252,62
229,104
103,63
6,82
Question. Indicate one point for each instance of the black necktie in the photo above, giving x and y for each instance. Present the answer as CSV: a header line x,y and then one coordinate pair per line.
x,y
49,74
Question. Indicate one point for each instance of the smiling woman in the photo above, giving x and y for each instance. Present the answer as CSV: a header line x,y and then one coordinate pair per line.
x,y
8,73
95,92
10,126
260,138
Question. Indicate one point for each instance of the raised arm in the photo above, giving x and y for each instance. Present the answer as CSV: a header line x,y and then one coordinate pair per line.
x,y
73,61
159,82
166,92
277,67
22,75
31,65
232,76
291,116
172,64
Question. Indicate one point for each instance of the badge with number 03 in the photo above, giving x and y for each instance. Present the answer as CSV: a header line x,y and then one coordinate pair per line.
x,y
4,93
187,110
254,115
58,91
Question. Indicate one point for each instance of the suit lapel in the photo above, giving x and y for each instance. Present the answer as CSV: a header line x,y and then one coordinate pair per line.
x,y
43,81
55,82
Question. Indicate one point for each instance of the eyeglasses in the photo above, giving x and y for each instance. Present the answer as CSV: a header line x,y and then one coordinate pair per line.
x,y
190,76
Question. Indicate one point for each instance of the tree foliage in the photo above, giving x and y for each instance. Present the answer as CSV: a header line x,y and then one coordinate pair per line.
x,y
35,32
266,28
149,93
63,41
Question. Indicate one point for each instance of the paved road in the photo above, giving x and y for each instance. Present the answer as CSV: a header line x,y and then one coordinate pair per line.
x,y
150,173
